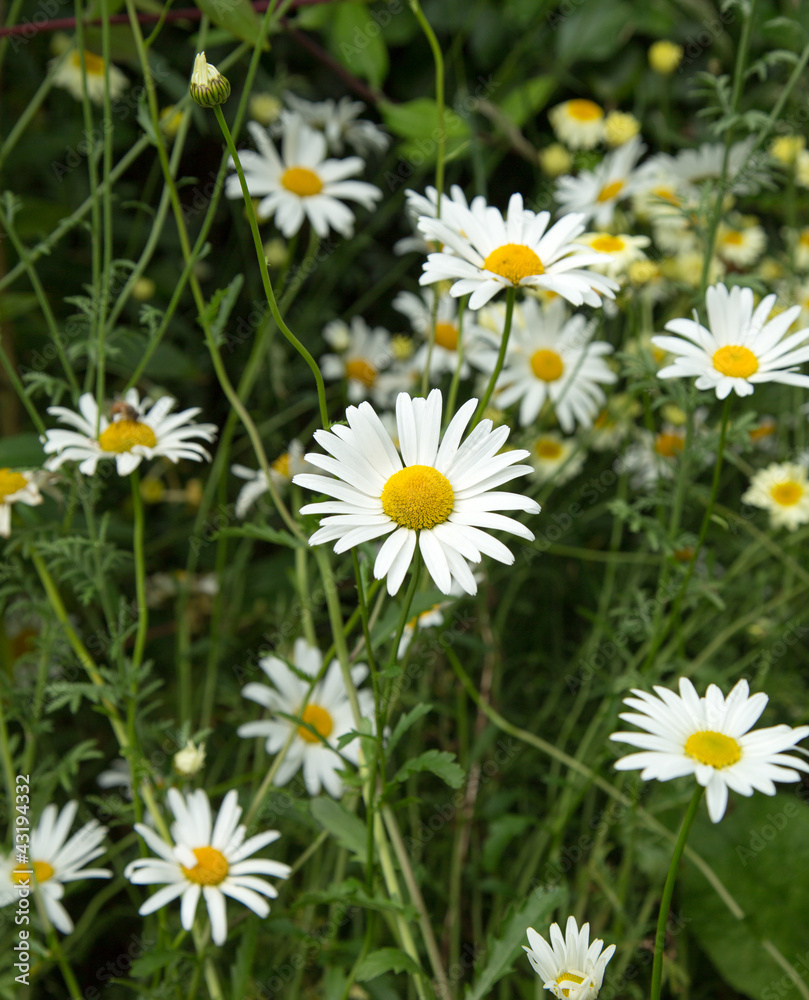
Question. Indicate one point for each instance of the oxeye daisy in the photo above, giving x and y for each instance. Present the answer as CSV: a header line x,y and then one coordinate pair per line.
x,y
138,429
437,495
301,183
362,354
739,348
324,712
206,859
487,253
53,861
711,738
783,490
16,487
570,967
339,122
555,459
740,244
70,76
419,310
282,469
619,251
418,205
578,123
595,193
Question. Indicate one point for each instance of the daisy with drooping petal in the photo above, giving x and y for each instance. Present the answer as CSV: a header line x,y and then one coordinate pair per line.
x,y
783,490
438,493
570,967
739,348
619,251
287,465
16,487
54,860
139,429
551,356
711,738
419,310
339,122
578,123
70,76
301,183
206,859
595,193
485,253
324,712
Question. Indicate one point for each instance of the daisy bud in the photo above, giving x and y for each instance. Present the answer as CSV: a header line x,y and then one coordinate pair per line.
x,y
786,148
555,160
189,761
620,127
208,87
665,57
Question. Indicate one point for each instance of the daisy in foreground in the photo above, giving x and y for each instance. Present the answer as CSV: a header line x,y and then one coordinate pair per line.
x,y
485,253
710,737
569,968
16,487
301,183
782,489
55,860
207,859
739,348
324,711
138,429
440,496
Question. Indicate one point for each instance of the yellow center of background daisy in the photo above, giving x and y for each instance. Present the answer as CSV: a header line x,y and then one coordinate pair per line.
x,y
361,370
92,63
668,444
787,494
446,336
735,361
211,867
301,181
418,496
513,261
569,977
666,194
281,465
610,191
583,110
42,871
712,748
734,237
319,719
607,244
10,482
547,365
546,448
123,435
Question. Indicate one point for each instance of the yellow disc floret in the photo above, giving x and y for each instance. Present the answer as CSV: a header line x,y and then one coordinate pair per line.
x,y
568,977
92,63
611,190
513,261
446,336
712,748
211,867
605,243
417,497
669,443
10,482
361,370
548,449
735,361
787,494
42,871
319,719
123,435
547,365
301,181
583,110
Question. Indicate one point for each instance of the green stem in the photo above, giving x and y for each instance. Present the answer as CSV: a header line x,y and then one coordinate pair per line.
x,y
668,890
510,296
8,762
69,977
456,375
14,378
140,571
438,58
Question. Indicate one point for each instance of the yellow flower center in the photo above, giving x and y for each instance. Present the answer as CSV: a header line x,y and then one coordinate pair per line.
x,y
547,448
787,494
361,370
715,749
669,443
583,110
762,431
513,261
319,719
803,239
735,361
418,496
608,244
734,237
547,365
569,977
211,867
611,190
93,64
123,435
10,482
666,194
446,336
301,181
281,465
42,872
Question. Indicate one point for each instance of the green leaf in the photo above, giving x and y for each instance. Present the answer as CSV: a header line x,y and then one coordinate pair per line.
x,y
528,98
439,762
502,951
418,119
594,32
240,970
502,831
154,960
345,827
356,40
218,310
14,304
405,722
385,960
236,16
129,347
756,851
21,450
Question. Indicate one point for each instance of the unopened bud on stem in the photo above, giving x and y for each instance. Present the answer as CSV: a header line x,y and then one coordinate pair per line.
x,y
208,87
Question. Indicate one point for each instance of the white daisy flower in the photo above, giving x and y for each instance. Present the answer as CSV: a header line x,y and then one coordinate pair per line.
x,y
418,205
782,489
614,422
301,183
741,245
551,356
419,310
595,193
339,122
282,470
570,967
710,738
652,456
695,166
363,354
324,712
487,253
208,859
619,251
555,459
740,348
798,239
439,495
53,861
16,487
69,75
139,429
578,123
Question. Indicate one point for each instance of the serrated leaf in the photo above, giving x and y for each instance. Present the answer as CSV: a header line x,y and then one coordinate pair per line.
x,y
405,722
528,98
438,762
217,311
345,827
356,40
236,16
385,960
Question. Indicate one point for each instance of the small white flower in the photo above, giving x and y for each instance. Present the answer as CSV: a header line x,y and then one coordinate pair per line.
x,y
619,251
711,738
53,861
326,710
570,967
740,245
207,859
363,354
418,205
595,193
578,123
555,459
339,123
282,470
69,75
782,489
16,487
419,310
